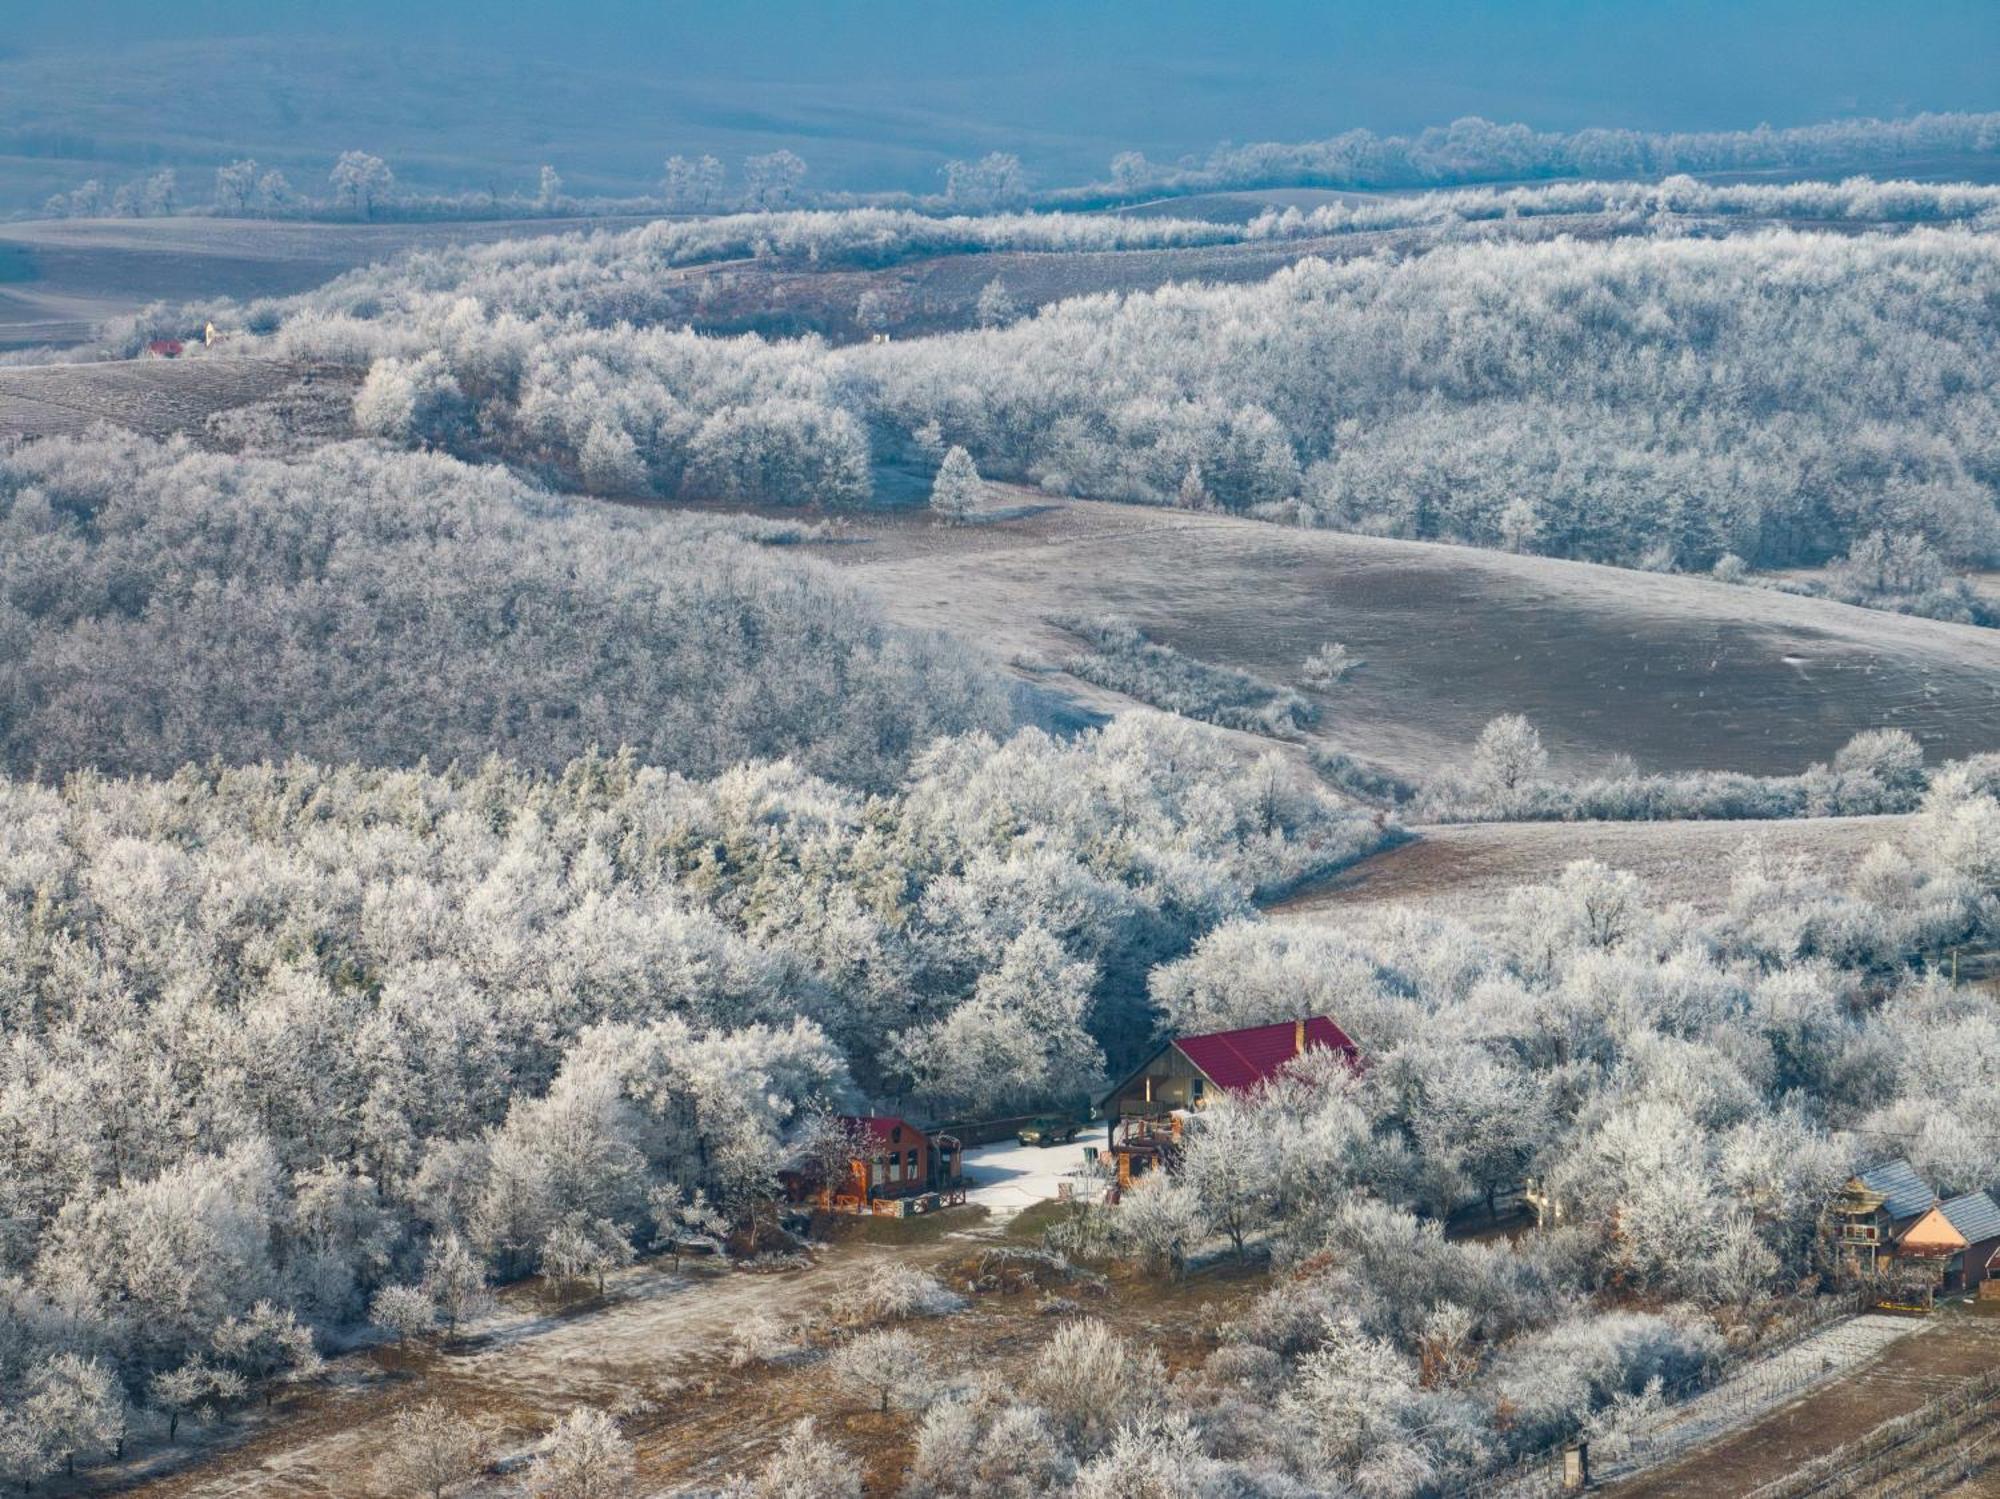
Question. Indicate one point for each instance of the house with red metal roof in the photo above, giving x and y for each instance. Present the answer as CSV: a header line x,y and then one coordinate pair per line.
x,y
1146,1112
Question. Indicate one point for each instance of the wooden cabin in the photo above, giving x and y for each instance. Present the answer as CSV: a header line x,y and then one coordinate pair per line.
x,y
1148,1111
896,1168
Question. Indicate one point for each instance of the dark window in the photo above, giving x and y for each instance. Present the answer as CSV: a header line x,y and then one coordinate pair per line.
x,y
895,1137
1199,1083
913,1161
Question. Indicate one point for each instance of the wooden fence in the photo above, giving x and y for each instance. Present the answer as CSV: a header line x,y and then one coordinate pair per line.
x,y
1941,1443
1747,1384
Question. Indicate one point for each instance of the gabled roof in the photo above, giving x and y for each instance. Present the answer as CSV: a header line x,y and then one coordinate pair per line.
x,y
1898,1182
1932,1235
1257,1053
880,1129
1234,1060
1975,1215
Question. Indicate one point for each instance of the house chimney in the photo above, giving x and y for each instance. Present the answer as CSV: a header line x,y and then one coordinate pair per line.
x,y
1298,1038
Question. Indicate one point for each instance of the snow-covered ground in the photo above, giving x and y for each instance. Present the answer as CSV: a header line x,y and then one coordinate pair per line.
x,y
1008,1177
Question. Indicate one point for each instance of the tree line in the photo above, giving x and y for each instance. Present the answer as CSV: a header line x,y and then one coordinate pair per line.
x,y
1472,149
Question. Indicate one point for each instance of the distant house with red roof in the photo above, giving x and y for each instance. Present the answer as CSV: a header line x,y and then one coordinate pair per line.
x,y
1145,1112
165,348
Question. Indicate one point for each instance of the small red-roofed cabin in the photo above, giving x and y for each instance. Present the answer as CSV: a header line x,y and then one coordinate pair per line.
x,y
1146,1113
164,348
893,1160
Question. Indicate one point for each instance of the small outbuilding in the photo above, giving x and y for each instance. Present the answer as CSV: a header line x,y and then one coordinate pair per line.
x,y
165,348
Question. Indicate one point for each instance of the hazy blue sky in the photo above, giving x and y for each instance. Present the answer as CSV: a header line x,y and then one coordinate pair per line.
x,y
887,89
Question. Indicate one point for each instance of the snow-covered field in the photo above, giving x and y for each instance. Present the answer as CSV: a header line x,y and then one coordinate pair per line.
x,y
1679,672
161,397
1007,1177
1469,870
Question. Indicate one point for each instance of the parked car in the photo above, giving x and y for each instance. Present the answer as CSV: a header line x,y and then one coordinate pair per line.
x,y
1049,1132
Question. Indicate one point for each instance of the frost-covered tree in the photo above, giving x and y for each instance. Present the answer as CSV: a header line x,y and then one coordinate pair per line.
x,y
1328,664
609,461
160,190
548,189
235,186
1091,1381
584,1248
1228,1167
784,452
1509,753
1192,494
455,1281
996,306
266,1345
432,1450
981,1444
1160,1457
407,1311
994,181
957,494
773,180
885,1366
194,1386
686,1219
871,310
361,181
402,401
804,1465
76,1408
1369,1425
584,1456
1161,1220
1020,1039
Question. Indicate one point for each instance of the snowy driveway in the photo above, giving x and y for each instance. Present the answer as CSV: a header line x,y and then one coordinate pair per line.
x,y
1007,1177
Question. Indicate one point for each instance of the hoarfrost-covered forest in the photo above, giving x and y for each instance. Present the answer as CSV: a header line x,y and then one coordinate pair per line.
x,y
479,861
1675,401
161,605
